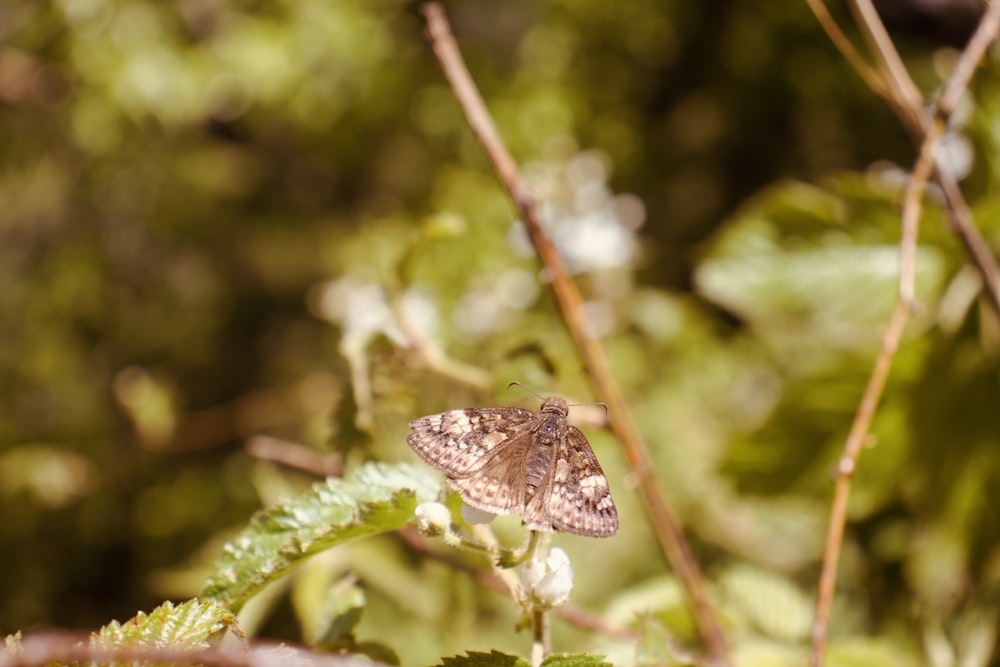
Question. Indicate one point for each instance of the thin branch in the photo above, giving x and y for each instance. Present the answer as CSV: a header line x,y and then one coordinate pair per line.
x,y
872,395
294,455
908,101
922,171
985,35
846,48
845,470
959,216
896,87
926,166
662,518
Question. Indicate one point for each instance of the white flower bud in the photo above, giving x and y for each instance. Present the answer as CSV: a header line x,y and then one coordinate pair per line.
x,y
549,583
433,518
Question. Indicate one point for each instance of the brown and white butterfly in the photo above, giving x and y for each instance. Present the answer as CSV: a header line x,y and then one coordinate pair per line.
x,y
512,460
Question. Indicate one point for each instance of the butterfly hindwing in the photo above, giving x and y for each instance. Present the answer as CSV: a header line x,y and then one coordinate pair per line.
x,y
498,487
577,497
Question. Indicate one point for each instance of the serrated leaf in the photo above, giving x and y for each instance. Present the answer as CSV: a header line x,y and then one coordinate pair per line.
x,y
576,660
479,659
374,499
188,625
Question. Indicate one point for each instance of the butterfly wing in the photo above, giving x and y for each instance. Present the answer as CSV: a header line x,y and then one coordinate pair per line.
x,y
498,487
577,498
462,442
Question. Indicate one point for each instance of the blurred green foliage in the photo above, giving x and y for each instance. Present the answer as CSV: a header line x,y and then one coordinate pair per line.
x,y
224,219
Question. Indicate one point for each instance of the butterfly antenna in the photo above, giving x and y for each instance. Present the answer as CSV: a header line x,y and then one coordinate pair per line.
x,y
515,382
577,405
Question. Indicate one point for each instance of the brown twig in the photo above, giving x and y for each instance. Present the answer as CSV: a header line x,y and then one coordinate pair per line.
x,y
845,470
662,518
46,648
985,35
847,49
294,455
959,216
911,216
926,166
898,90
872,395
903,94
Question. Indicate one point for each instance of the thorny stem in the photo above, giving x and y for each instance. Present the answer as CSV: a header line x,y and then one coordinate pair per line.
x,y
662,518
904,98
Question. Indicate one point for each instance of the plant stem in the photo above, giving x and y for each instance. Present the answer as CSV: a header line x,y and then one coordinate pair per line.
x,y
536,553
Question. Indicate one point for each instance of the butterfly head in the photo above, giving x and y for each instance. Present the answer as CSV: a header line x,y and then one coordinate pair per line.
x,y
555,404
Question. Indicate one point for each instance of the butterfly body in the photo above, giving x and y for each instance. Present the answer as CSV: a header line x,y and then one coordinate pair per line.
x,y
512,460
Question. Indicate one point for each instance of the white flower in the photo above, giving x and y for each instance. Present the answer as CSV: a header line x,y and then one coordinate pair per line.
x,y
433,518
549,583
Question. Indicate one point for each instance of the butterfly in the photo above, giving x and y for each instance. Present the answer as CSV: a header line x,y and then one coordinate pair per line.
x,y
512,460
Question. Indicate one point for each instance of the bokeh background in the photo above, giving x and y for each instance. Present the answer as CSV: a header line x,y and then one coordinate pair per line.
x,y
222,219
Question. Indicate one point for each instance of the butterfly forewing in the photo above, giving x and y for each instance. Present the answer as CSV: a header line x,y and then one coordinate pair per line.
x,y
506,460
460,442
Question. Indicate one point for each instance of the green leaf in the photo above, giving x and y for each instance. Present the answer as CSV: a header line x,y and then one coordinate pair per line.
x,y
187,625
478,659
374,499
796,264
576,660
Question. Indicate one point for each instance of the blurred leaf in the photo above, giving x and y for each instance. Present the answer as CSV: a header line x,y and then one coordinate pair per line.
x,y
761,653
771,602
799,266
661,597
864,652
189,624
375,498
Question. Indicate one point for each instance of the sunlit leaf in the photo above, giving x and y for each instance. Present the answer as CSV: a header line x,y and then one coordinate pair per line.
x,y
188,625
374,499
